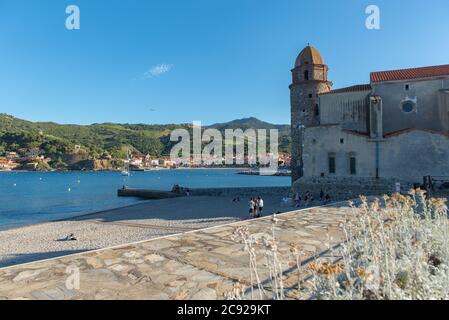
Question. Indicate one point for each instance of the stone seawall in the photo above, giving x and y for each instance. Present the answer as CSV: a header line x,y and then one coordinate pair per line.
x,y
243,192
348,188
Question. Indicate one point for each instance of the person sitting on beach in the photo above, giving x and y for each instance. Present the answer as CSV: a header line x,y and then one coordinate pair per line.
x,y
70,237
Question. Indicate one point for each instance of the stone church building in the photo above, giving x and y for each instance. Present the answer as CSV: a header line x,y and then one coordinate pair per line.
x,y
369,137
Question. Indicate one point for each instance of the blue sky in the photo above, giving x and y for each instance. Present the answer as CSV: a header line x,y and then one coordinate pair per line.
x,y
213,60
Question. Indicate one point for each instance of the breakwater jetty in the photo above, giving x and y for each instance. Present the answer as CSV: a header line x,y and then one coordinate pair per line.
x,y
228,192
257,172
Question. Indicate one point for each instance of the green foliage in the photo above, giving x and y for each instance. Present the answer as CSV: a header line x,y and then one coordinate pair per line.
x,y
115,139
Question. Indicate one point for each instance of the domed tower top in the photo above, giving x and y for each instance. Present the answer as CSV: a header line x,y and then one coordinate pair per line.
x,y
309,55
309,66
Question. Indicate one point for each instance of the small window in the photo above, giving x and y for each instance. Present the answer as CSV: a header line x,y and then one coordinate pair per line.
x,y
310,95
353,165
407,87
306,75
342,141
332,164
408,106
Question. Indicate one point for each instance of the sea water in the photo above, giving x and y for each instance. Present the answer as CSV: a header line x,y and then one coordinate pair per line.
x,y
32,197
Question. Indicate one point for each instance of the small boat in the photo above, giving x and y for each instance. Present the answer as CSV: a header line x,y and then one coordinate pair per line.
x,y
125,173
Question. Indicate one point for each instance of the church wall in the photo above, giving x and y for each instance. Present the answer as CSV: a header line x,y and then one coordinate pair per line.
x,y
350,109
414,155
323,140
407,157
426,115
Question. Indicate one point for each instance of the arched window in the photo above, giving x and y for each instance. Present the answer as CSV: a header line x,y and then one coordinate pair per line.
x,y
306,75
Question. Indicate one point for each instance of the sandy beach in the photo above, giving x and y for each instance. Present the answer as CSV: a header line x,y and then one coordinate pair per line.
x,y
138,222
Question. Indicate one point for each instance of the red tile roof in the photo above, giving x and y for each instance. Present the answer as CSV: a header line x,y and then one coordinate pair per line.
x,y
414,73
361,87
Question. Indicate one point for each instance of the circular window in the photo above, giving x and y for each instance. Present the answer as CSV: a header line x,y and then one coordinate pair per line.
x,y
408,106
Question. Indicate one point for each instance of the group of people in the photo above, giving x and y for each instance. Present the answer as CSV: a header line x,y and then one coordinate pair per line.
x,y
178,189
308,199
255,207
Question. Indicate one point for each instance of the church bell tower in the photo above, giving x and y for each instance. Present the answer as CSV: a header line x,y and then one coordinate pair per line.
x,y
309,79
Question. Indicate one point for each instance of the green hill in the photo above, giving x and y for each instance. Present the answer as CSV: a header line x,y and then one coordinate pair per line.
x,y
254,123
108,138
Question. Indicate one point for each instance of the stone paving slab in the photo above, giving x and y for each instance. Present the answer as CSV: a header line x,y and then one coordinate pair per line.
x,y
203,264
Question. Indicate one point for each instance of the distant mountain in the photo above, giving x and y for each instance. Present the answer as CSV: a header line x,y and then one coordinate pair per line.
x,y
97,140
252,123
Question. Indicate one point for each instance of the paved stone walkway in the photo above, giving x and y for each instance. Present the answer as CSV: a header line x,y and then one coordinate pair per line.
x,y
203,264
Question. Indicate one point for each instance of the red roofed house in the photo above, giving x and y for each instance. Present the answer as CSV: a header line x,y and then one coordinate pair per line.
x,y
394,129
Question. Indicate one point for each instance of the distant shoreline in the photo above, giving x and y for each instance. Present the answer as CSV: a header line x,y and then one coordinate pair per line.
x,y
146,170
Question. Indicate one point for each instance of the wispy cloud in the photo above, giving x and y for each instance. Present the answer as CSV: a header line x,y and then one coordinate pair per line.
x,y
158,70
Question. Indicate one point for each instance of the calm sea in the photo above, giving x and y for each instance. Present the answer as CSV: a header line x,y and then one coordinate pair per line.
x,y
31,197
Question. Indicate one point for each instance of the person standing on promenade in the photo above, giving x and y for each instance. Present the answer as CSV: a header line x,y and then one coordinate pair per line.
x,y
308,198
327,199
297,200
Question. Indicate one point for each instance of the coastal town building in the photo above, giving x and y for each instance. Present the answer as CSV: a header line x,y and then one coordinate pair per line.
x,y
392,130
12,155
7,164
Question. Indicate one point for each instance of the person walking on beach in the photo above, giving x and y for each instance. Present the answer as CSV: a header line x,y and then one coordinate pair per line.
x,y
259,207
251,207
256,207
